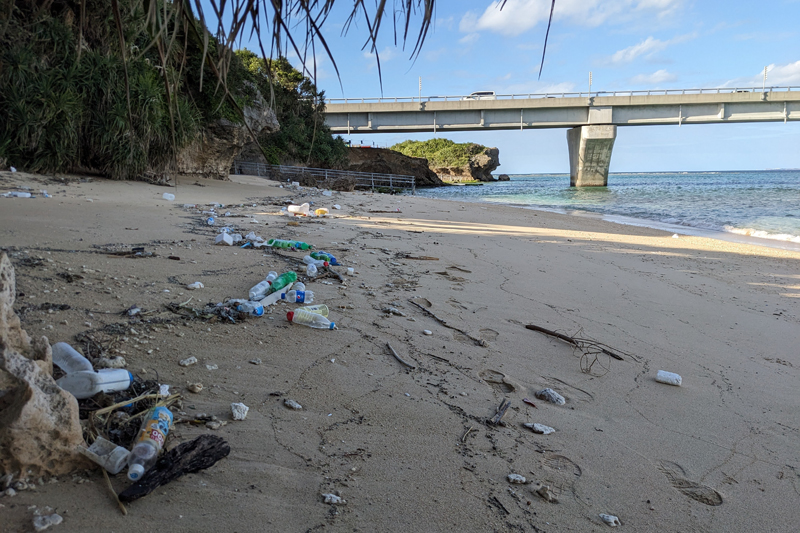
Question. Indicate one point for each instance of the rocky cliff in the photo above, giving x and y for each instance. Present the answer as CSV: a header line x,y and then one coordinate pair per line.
x,y
479,167
212,153
387,161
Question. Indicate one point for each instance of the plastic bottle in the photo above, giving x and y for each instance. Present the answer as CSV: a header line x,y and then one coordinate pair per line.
x,y
316,262
69,359
210,221
307,318
320,309
299,297
283,280
311,271
281,243
260,290
251,308
149,442
271,276
299,286
325,256
87,383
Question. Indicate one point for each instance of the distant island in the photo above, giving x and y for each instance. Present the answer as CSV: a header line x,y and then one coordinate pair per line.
x,y
454,162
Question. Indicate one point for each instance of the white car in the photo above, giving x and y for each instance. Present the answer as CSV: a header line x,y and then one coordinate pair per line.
x,y
481,95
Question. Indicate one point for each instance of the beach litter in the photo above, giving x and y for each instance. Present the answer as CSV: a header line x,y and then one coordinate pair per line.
x,y
168,196
549,395
333,499
188,361
610,519
669,378
516,478
224,238
40,523
106,454
195,285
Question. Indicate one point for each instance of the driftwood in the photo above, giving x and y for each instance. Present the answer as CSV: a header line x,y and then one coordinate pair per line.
x,y
186,458
335,274
500,412
477,341
421,257
589,348
396,356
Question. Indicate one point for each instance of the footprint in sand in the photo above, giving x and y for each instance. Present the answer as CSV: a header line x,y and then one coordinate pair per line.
x,y
560,473
498,381
696,491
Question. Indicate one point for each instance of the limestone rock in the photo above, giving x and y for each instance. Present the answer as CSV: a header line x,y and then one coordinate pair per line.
x,y
385,161
39,426
503,177
482,165
212,153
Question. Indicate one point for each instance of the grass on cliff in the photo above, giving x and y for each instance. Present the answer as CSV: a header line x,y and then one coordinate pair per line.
x,y
440,152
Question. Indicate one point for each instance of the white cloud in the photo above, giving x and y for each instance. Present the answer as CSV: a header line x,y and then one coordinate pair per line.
x,y
646,48
469,38
387,54
777,75
656,78
518,16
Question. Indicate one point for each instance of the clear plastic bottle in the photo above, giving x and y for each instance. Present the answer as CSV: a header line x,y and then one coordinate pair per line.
x,y
251,308
149,442
307,318
316,262
299,297
320,309
283,280
69,359
311,271
299,286
260,290
271,276
87,383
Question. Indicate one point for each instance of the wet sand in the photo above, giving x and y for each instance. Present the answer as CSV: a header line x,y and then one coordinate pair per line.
x,y
410,449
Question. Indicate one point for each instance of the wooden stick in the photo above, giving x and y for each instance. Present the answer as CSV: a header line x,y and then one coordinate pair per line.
x,y
116,498
394,353
464,436
501,411
332,271
581,344
421,257
478,342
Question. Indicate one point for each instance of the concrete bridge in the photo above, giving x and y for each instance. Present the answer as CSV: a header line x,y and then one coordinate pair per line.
x,y
592,117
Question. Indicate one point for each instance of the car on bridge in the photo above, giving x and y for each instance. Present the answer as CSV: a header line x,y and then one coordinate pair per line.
x,y
481,95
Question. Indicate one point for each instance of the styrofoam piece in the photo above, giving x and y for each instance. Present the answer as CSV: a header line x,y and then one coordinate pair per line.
x,y
224,238
239,411
670,378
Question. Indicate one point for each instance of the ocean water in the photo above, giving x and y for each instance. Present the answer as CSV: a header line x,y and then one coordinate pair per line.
x,y
758,204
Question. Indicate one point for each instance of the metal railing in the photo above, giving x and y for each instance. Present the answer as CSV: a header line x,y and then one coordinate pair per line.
x,y
364,180
651,92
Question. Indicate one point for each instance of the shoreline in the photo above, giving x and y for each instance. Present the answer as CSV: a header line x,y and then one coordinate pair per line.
x,y
410,448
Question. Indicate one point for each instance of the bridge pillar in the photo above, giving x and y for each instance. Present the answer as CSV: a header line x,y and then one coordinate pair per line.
x,y
590,155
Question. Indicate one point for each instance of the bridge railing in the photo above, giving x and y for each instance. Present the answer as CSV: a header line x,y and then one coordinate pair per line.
x,y
651,92
364,180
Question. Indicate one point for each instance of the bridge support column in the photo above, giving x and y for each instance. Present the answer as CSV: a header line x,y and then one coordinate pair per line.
x,y
590,155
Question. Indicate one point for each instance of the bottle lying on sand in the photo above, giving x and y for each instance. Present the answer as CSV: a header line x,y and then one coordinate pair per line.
x,y
149,442
259,290
251,308
87,383
271,275
299,297
311,271
69,359
325,256
316,262
281,243
282,281
307,318
320,309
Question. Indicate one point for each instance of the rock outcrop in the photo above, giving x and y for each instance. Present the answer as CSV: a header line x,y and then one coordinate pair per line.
x,y
503,177
385,161
39,424
212,153
479,167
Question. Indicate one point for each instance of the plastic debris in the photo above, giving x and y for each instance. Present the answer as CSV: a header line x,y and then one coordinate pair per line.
x,y
224,238
168,196
333,499
239,411
40,523
188,361
337,206
327,193
195,285
669,378
106,454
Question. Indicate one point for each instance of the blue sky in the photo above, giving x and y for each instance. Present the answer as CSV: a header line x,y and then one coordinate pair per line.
x,y
626,44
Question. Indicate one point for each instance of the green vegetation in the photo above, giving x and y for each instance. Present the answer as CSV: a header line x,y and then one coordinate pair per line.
x,y
304,137
440,152
71,103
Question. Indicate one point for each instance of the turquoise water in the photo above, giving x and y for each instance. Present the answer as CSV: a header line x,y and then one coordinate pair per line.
x,y
762,204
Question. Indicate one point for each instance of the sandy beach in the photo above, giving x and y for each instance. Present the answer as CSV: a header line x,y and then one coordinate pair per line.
x,y
410,449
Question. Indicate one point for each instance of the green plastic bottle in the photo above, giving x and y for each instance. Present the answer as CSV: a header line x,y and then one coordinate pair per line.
x,y
282,281
281,243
